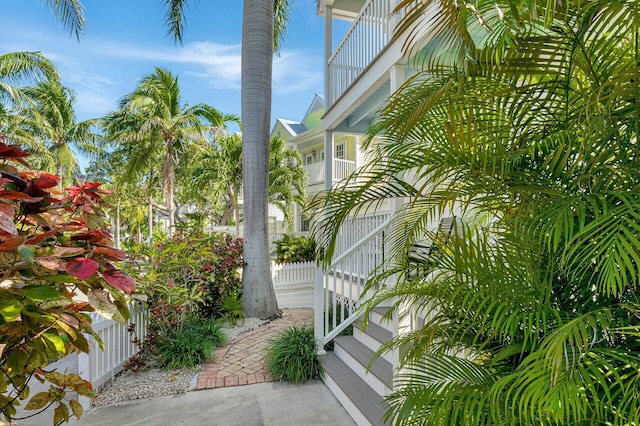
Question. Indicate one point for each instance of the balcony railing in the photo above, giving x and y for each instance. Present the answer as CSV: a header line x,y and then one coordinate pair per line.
x,y
341,170
367,37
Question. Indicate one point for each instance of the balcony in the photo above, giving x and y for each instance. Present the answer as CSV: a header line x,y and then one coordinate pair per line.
x,y
341,170
368,36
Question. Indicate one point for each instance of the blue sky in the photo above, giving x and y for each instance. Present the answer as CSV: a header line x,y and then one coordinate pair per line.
x,y
125,39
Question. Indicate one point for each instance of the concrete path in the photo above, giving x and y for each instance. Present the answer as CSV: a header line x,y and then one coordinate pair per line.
x,y
265,404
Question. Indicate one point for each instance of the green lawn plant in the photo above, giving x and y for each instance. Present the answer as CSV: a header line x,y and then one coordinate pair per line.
x,y
292,355
522,119
54,248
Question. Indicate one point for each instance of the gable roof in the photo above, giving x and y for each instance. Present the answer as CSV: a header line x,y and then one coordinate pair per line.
x,y
292,127
312,119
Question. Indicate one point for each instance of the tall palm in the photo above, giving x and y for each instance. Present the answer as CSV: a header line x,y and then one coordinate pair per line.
x,y
531,136
258,295
154,122
50,117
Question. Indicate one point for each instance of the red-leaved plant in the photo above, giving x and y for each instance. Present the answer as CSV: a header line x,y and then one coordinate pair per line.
x,y
56,266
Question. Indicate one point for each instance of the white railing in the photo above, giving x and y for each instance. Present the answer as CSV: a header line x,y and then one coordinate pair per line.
x,y
367,37
99,366
340,288
293,276
342,169
355,229
315,172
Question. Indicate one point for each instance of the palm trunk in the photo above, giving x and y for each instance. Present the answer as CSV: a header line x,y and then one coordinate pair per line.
x,y
150,220
258,296
169,183
236,215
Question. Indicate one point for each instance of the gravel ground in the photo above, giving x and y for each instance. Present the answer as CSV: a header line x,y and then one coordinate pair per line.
x,y
151,382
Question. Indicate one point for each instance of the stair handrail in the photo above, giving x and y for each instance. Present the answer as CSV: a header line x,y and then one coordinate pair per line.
x,y
321,317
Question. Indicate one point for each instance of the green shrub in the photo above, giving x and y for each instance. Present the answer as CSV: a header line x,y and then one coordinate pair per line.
x,y
209,328
292,249
292,356
189,345
183,349
197,271
231,308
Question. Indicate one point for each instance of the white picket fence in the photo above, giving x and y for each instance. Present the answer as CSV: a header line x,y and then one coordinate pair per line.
x,y
99,366
293,276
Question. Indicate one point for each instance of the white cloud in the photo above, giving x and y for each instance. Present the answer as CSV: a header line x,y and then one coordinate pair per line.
x,y
296,71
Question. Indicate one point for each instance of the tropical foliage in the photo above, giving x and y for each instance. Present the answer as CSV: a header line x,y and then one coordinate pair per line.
x,y
154,123
50,121
191,273
53,248
189,281
292,249
522,120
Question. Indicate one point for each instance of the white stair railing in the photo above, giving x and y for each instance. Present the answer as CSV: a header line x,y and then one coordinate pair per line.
x,y
340,288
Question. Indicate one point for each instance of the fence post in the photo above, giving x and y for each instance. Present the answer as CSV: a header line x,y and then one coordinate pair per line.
x,y
318,310
84,371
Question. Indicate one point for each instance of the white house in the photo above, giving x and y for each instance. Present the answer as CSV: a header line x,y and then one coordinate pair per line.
x,y
361,72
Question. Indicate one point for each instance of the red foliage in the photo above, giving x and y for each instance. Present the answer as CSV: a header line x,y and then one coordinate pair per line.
x,y
53,245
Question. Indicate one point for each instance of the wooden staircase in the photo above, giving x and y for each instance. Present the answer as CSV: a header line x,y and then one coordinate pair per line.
x,y
358,384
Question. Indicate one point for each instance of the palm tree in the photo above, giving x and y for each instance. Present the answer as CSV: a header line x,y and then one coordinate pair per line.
x,y
219,168
50,118
154,122
524,120
258,295
17,68
287,179
70,13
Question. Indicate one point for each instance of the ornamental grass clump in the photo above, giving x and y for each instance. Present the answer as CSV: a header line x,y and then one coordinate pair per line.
x,y
190,345
292,356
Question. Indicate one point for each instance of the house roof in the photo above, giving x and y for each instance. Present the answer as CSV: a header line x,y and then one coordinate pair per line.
x,y
312,119
293,128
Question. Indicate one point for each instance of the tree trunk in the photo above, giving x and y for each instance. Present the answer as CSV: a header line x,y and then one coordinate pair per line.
x,y
168,188
150,220
236,215
258,295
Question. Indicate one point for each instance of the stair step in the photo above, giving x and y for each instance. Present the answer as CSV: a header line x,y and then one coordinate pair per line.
x,y
374,330
370,405
381,368
377,314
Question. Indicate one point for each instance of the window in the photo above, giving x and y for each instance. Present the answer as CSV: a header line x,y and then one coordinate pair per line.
x,y
304,224
341,150
308,159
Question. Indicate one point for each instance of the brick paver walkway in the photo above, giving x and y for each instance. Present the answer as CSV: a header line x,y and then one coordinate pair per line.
x,y
242,361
